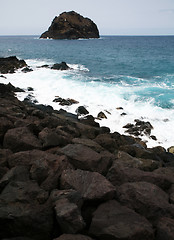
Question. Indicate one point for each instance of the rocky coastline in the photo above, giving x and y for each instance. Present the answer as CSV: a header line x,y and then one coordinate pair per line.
x,y
63,177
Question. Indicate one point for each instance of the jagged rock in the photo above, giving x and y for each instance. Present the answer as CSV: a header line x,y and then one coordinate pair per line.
x,y
81,110
83,157
60,66
139,128
145,198
101,115
126,160
24,211
71,25
30,89
68,216
118,175
107,142
27,69
113,221
64,102
20,139
89,143
73,196
45,168
49,138
138,151
8,90
10,64
89,120
91,185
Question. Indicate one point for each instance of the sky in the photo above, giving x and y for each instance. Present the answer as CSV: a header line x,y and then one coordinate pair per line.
x,y
113,17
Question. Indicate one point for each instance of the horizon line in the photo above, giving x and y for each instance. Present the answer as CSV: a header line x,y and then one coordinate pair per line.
x,y
121,35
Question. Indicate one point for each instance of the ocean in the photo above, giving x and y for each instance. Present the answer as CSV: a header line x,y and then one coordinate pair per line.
x,y
126,77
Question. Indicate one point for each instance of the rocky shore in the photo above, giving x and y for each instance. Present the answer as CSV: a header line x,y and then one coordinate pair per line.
x,y
66,178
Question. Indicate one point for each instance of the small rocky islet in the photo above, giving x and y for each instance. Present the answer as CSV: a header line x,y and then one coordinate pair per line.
x,y
71,25
65,178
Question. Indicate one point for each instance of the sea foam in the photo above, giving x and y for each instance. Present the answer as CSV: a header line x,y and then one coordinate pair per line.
x,y
96,96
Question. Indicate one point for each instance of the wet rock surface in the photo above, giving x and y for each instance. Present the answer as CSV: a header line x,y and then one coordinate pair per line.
x,y
67,178
11,64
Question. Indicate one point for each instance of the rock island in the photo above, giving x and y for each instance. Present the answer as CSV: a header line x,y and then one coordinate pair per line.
x,y
71,25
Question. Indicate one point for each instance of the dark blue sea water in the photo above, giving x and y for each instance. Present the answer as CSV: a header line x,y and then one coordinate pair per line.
x,y
136,72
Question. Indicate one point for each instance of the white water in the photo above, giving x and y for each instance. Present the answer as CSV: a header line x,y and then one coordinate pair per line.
x,y
96,97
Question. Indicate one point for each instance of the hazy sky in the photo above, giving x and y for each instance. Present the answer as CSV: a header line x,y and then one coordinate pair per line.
x,y
114,17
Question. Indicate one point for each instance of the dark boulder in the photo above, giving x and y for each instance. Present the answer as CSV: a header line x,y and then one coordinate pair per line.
x,y
27,69
71,25
60,66
83,157
118,175
101,115
126,160
81,110
89,120
24,211
21,139
107,142
113,221
91,185
8,90
145,198
50,138
68,216
10,64
64,102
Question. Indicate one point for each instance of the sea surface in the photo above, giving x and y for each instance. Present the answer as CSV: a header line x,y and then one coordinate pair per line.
x,y
135,73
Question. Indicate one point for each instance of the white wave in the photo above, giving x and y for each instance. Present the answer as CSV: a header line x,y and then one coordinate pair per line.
x,y
97,96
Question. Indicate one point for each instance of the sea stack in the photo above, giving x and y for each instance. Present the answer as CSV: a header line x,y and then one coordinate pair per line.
x,y
71,25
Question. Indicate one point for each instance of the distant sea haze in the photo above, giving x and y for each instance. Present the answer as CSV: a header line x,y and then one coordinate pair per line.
x,y
126,77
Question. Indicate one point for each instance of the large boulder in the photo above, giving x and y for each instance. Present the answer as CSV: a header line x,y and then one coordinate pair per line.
x,y
91,185
113,221
119,175
71,25
45,168
25,212
10,64
83,157
21,139
68,216
145,198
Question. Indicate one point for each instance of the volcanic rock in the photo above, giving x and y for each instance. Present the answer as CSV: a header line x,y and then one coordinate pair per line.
x,y
91,185
10,64
113,221
60,66
71,25
145,198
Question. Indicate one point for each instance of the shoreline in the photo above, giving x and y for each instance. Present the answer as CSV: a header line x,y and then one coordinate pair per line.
x,y
65,172
118,116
